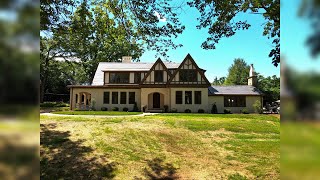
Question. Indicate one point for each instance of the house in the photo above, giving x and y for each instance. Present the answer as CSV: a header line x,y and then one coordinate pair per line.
x,y
157,86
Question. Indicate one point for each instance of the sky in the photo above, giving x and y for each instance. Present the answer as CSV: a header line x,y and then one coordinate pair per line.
x,y
248,44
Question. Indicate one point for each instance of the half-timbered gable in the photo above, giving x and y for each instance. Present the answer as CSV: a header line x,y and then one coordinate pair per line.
x,y
188,73
157,75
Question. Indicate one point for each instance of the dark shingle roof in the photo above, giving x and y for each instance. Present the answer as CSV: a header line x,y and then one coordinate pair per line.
x,y
234,90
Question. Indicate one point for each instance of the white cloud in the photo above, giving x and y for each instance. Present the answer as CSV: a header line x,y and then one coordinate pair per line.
x,y
162,19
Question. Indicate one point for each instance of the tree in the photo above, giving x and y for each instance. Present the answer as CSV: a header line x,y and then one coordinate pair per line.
x,y
238,73
218,17
219,81
270,86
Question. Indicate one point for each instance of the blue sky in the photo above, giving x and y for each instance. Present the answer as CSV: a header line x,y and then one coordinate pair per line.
x,y
249,45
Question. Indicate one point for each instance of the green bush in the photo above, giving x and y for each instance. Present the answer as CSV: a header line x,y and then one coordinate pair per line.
x,y
115,109
104,109
257,107
187,111
174,110
214,109
166,107
200,111
125,109
135,107
227,111
245,111
54,104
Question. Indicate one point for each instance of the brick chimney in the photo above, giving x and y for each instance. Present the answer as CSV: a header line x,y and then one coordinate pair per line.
x,y
252,79
126,59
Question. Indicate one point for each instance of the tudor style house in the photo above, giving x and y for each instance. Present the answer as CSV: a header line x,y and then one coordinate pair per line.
x,y
157,86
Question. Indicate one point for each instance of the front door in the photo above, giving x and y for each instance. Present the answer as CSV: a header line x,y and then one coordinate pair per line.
x,y
156,100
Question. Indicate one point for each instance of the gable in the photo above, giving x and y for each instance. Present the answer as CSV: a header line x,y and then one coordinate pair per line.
x,y
188,73
158,74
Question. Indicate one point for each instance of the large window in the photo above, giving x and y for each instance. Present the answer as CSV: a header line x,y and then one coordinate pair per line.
x,y
158,76
188,75
132,97
119,77
123,98
137,77
235,101
197,97
114,97
188,97
106,98
178,97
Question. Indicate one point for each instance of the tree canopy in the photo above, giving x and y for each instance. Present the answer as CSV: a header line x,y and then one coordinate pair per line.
x,y
238,73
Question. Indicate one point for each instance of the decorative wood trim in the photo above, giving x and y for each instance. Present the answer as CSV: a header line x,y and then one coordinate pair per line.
x,y
193,64
153,69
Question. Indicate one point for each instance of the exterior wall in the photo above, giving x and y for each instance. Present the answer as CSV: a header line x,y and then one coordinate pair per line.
x,y
219,100
106,77
193,107
97,95
147,98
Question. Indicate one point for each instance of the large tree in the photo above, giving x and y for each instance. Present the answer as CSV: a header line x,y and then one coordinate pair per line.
x,y
270,86
218,16
238,73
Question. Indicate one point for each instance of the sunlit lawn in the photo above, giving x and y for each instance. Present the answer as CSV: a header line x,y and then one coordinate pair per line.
x,y
168,146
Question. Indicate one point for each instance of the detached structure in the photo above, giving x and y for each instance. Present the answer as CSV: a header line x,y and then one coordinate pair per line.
x,y
157,86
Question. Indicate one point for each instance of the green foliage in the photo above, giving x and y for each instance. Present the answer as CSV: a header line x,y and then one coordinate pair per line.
x,y
238,73
125,109
135,107
214,109
219,17
219,81
166,108
174,110
93,104
200,111
244,111
227,111
54,104
257,107
115,109
236,176
104,109
187,111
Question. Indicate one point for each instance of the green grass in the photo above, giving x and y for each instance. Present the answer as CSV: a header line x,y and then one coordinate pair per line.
x,y
164,146
109,113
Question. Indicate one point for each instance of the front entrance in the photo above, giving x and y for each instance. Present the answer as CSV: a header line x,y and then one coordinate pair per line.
x,y
156,100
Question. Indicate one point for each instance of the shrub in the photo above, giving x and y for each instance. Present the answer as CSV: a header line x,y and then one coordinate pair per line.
x,y
135,107
257,107
166,107
104,109
187,111
93,104
54,104
174,110
245,111
115,109
200,111
214,109
227,111
125,109
144,108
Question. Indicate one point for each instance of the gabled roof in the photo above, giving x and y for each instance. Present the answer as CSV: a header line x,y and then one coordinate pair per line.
x,y
234,90
159,61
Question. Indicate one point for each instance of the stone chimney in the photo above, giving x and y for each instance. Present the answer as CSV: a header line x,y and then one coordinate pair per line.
x,y
126,59
252,79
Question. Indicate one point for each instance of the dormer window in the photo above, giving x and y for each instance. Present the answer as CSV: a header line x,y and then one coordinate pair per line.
x,y
158,76
119,77
188,75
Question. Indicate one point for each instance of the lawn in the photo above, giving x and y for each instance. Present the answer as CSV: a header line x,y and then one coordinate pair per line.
x,y
108,113
164,146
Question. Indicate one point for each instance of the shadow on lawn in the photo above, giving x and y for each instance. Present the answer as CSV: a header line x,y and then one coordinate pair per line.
x,y
18,160
158,170
63,158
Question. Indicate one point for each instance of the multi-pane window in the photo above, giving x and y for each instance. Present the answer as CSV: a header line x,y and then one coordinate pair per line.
x,y
132,96
158,76
114,97
188,75
119,77
106,98
137,77
235,101
197,97
123,98
188,97
178,97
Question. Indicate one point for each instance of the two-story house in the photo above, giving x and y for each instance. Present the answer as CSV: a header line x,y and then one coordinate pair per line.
x,y
154,86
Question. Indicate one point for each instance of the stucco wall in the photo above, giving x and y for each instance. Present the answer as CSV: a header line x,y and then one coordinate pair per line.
x,y
147,92
193,107
97,95
219,100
